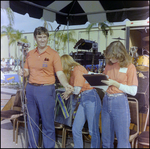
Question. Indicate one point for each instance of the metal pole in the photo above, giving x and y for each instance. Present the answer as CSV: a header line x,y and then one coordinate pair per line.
x,y
68,33
55,34
127,38
54,40
23,99
18,71
106,37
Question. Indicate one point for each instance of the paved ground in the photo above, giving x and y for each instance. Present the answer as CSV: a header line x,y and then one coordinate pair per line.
x,y
7,137
7,128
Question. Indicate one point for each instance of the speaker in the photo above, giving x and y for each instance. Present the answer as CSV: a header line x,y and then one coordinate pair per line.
x,y
143,92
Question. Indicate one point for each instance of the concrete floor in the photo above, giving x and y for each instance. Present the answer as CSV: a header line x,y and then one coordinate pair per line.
x,y
7,128
7,137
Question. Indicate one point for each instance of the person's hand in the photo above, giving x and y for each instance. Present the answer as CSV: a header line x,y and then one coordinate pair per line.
x,y
69,88
22,73
110,82
66,95
68,92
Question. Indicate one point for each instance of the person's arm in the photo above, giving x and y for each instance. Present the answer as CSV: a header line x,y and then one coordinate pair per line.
x,y
63,80
76,91
132,90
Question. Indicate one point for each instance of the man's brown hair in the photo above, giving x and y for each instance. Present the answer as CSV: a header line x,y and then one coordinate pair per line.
x,y
41,30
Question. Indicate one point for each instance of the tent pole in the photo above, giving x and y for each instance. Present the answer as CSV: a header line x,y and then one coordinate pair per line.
x,y
68,33
54,40
127,38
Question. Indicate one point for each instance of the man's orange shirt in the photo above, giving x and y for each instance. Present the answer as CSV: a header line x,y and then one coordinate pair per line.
x,y
77,78
42,67
126,76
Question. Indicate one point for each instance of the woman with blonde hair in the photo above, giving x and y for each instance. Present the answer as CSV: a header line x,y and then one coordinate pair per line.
x,y
90,105
122,81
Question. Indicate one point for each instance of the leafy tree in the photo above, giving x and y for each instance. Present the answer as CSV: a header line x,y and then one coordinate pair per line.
x,y
62,39
7,31
47,24
14,38
10,15
101,26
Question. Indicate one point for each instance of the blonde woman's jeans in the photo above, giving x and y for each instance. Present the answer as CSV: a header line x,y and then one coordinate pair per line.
x,y
115,119
89,109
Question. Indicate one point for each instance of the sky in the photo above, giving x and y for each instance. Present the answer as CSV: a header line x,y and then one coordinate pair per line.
x,y
27,24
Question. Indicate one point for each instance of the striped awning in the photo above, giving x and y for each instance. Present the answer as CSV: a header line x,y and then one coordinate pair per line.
x,y
80,12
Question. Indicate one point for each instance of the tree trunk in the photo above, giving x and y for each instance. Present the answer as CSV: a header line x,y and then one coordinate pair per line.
x,y
8,49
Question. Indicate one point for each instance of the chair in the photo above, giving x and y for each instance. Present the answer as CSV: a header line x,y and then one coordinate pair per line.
x,y
16,124
57,126
134,124
62,127
143,138
20,120
14,112
134,113
69,129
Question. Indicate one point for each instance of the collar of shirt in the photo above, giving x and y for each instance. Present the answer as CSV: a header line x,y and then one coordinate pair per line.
x,y
48,49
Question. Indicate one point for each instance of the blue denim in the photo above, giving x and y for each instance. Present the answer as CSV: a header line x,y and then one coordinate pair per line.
x,y
115,120
41,102
89,109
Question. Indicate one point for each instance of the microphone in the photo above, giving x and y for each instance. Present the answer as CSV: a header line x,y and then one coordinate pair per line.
x,y
26,45
57,27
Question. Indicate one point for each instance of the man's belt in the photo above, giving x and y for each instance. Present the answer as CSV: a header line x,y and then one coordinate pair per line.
x,y
35,84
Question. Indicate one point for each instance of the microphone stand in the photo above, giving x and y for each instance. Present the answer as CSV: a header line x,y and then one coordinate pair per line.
x,y
55,34
23,98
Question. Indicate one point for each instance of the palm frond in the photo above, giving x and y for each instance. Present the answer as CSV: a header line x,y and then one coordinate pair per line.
x,y
88,29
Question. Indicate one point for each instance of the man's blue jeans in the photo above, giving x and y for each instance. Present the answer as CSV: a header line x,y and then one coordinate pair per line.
x,y
115,119
40,101
89,109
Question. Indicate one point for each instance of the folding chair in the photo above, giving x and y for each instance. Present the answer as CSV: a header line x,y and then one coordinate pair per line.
x,y
14,112
143,138
134,113
69,129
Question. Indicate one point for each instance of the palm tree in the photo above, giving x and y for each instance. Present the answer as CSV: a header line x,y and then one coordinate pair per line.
x,y
46,24
7,31
10,15
14,38
62,37
101,26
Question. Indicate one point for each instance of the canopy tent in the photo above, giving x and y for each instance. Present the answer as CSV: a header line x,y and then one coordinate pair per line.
x,y
80,12
75,12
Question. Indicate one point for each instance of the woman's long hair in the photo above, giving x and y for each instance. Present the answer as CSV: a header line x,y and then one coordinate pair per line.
x,y
117,51
68,63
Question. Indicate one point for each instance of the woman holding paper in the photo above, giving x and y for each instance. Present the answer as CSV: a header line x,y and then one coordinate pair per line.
x,y
90,105
122,81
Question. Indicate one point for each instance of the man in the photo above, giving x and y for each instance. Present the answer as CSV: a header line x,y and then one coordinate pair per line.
x,y
41,65
3,64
